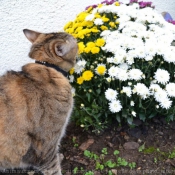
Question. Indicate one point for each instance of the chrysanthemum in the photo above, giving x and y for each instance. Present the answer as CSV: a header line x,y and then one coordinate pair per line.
x,y
160,95
80,80
132,103
135,74
154,88
141,90
127,90
122,75
111,94
162,76
100,42
98,21
95,50
87,75
166,103
170,88
101,69
115,106
71,78
113,71
133,113
79,66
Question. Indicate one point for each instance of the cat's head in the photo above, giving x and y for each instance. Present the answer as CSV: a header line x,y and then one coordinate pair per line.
x,y
55,48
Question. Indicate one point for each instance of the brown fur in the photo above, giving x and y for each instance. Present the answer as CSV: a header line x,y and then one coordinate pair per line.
x,y
36,103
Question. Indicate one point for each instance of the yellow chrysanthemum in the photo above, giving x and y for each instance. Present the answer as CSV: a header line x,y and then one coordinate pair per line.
x,y
117,3
101,69
82,16
104,28
88,24
90,44
70,30
100,42
95,50
89,9
81,47
112,24
97,15
100,5
87,75
80,35
78,29
80,80
87,49
68,25
86,31
94,30
104,19
72,71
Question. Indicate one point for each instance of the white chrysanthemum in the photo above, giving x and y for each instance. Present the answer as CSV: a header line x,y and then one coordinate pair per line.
x,y
141,90
122,75
110,59
79,66
166,103
160,95
162,76
132,103
130,60
71,78
170,88
111,94
90,17
154,88
113,71
127,90
135,74
73,91
124,66
133,113
115,106
98,21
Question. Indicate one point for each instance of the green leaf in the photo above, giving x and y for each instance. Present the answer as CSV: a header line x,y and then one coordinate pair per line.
x,y
124,114
88,96
130,120
152,115
142,147
142,116
87,153
116,152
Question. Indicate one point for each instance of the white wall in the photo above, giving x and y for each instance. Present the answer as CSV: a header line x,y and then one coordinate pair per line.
x,y
44,16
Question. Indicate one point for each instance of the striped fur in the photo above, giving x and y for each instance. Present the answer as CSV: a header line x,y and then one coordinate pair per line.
x,y
35,105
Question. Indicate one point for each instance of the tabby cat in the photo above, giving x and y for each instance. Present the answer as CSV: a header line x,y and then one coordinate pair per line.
x,y
36,103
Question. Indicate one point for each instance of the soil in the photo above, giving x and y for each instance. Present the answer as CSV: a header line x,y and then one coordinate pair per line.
x,y
151,146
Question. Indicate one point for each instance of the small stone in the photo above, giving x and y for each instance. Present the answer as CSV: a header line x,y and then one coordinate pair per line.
x,y
131,145
86,144
31,173
126,137
114,171
160,133
110,144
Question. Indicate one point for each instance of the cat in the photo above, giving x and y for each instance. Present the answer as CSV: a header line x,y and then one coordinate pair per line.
x,y
36,104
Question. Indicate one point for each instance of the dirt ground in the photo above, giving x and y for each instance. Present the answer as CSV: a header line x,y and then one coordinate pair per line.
x,y
150,146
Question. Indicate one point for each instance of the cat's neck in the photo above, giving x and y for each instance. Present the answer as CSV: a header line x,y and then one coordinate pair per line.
x,y
53,66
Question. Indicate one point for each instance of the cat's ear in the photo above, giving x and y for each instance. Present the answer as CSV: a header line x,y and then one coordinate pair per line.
x,y
31,35
64,48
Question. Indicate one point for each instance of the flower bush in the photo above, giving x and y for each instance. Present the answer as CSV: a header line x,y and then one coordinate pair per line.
x,y
125,67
